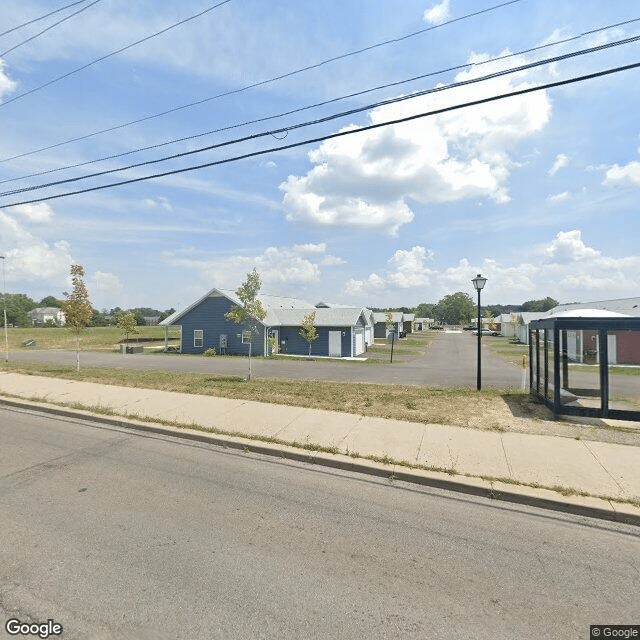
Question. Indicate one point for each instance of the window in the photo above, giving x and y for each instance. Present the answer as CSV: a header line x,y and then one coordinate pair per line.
x,y
198,337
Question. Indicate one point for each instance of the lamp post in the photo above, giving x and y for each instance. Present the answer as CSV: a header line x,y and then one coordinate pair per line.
x,y
4,303
478,284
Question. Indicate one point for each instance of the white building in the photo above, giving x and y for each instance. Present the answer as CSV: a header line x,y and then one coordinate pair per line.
x,y
42,315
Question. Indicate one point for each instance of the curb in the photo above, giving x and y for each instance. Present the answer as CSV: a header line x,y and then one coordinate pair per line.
x,y
529,496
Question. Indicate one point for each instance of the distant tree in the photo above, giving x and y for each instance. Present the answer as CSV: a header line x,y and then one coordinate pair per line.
x,y
539,305
127,324
18,305
388,321
425,310
166,314
250,310
308,329
455,308
51,301
99,319
77,308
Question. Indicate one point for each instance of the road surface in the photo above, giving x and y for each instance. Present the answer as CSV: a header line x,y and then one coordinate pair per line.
x,y
119,535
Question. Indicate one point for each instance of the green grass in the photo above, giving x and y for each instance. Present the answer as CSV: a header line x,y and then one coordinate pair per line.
x,y
411,403
91,339
613,370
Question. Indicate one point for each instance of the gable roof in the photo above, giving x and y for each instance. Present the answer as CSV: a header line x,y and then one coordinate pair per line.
x,y
381,316
628,306
283,310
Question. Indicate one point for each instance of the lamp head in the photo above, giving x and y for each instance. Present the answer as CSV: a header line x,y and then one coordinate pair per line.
x,y
478,282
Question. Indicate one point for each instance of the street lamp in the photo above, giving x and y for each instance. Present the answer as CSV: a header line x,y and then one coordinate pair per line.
x,y
4,301
478,285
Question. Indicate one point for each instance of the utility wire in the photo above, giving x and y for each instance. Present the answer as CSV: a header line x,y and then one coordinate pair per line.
x,y
466,65
46,15
286,129
55,24
257,84
113,53
339,134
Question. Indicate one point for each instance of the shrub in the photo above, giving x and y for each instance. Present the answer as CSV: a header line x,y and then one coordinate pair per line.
x,y
210,352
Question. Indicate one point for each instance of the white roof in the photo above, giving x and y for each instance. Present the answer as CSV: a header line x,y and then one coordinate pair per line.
x,y
627,306
588,313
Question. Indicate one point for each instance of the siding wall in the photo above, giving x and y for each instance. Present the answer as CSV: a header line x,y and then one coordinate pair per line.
x,y
296,344
209,316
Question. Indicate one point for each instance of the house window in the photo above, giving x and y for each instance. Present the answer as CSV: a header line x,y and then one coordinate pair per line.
x,y
198,337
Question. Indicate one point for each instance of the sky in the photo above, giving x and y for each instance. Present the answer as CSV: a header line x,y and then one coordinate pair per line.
x,y
538,192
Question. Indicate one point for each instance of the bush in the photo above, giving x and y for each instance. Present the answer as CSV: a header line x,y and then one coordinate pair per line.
x,y
210,352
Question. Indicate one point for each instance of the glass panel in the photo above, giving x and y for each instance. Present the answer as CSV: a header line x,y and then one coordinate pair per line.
x,y
624,370
548,334
583,370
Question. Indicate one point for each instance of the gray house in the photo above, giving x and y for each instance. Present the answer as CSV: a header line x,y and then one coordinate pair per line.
x,y
342,331
380,323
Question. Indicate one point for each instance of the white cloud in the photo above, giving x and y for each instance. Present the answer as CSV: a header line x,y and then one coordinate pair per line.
x,y
561,161
104,283
310,248
332,261
160,202
559,197
7,85
627,174
438,13
30,258
277,266
566,269
364,180
40,212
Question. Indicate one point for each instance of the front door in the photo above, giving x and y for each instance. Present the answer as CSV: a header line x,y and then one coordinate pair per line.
x,y
335,343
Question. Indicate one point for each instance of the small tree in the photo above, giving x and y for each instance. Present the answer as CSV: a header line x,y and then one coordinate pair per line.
x,y
250,310
389,320
127,324
77,308
308,330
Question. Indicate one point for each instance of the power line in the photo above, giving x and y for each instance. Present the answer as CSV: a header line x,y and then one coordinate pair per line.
x,y
113,53
339,134
286,129
55,24
46,15
308,107
255,84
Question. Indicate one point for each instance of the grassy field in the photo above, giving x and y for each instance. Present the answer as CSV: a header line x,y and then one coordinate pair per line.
x,y
91,339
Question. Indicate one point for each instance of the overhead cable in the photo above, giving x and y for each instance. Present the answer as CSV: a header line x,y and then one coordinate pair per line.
x,y
459,67
335,116
338,134
55,24
256,84
46,15
113,53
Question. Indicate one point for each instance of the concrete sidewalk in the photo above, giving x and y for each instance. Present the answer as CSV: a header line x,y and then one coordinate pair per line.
x,y
501,465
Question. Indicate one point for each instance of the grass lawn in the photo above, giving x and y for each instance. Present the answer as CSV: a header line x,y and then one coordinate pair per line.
x,y
91,339
489,409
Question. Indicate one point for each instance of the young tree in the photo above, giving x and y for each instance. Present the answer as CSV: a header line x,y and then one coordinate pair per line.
x,y
127,324
308,330
250,310
77,308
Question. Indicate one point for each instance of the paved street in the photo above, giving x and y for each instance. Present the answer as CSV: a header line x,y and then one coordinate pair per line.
x,y
450,361
125,535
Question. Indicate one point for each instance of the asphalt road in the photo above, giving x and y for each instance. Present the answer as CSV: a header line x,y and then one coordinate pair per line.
x,y
119,535
450,361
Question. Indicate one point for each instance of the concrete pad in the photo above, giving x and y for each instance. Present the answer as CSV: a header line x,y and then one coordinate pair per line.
x,y
622,462
258,418
326,428
551,461
464,450
380,436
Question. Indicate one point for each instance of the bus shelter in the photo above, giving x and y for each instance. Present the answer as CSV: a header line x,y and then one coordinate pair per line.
x,y
586,365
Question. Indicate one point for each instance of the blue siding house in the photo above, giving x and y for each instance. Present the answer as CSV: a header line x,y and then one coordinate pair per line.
x,y
342,331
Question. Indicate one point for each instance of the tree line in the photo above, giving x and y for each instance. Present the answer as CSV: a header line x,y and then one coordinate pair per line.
x,y
460,308
19,305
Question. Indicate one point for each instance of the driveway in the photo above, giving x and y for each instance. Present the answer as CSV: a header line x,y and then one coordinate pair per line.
x,y
449,361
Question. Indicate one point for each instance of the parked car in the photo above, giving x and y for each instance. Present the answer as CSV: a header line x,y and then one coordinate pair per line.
x,y
486,332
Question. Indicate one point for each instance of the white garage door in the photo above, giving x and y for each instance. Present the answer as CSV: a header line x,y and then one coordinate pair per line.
x,y
359,334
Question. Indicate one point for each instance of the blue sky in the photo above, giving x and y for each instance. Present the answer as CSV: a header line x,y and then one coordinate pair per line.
x,y
537,192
